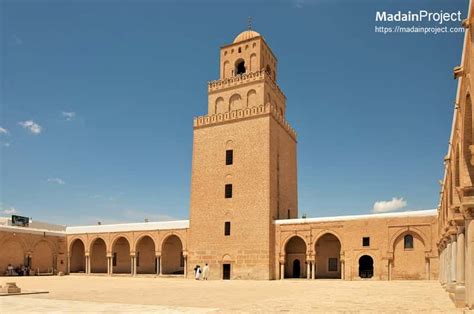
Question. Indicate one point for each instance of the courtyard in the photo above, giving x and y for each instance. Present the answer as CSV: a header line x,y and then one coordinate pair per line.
x,y
80,293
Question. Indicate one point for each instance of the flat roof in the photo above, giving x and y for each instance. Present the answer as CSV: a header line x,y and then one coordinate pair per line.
x,y
414,213
138,226
32,230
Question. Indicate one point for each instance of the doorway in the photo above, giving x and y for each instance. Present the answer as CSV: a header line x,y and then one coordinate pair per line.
x,y
226,271
296,268
366,267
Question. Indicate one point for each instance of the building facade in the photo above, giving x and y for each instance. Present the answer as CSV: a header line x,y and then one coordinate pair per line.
x,y
456,207
244,205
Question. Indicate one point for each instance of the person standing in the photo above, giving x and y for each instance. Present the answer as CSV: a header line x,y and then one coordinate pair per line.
x,y
205,272
197,275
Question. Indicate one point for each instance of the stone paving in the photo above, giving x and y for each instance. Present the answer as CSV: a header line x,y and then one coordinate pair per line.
x,y
94,294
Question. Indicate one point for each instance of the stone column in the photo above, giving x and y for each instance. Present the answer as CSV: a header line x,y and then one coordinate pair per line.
x,y
469,259
68,264
88,264
343,269
313,269
448,265
460,259
282,270
441,267
389,272
454,247
134,265
185,266
460,270
161,271
108,265
427,268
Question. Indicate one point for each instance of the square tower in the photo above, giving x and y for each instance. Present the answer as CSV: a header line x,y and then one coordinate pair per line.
x,y
244,166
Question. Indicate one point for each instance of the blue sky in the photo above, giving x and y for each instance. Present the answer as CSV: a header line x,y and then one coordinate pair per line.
x,y
98,97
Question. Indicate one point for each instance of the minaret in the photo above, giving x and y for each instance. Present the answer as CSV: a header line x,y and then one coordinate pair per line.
x,y
244,166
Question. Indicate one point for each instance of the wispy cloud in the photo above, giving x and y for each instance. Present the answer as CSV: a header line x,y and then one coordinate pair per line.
x,y
31,126
389,206
10,211
6,144
56,181
3,131
69,115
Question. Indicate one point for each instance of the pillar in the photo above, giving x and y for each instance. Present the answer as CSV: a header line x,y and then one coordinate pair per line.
x,y
460,258
313,270
108,265
308,270
469,260
282,270
427,268
160,266
453,258
389,273
343,269
132,265
68,264
88,264
185,266
448,265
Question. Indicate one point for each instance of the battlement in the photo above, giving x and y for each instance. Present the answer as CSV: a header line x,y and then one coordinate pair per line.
x,y
245,78
268,109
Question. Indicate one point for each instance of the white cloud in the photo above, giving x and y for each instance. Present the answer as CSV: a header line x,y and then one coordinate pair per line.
x,y
10,211
56,180
6,144
69,115
389,206
31,126
3,130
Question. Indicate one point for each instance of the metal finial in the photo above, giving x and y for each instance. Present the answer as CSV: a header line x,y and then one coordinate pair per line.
x,y
250,22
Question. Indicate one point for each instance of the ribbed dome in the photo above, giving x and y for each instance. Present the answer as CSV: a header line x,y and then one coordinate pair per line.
x,y
248,34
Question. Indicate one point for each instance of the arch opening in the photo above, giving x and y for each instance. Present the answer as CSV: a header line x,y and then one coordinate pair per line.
x,y
121,261
172,256
408,257
42,259
328,253
98,256
239,67
295,258
78,257
15,256
145,255
366,266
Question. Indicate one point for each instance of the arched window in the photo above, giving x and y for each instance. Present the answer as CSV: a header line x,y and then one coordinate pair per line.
x,y
239,67
408,241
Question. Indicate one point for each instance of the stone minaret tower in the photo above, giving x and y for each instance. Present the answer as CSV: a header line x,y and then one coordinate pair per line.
x,y
244,166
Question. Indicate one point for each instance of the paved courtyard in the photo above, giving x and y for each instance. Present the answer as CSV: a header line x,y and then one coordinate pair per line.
x,y
141,294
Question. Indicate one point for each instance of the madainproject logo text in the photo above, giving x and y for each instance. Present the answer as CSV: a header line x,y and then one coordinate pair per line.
x,y
439,17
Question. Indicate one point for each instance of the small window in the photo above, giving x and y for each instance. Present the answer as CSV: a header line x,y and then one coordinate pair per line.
x,y
408,241
240,50
289,212
227,228
240,67
114,259
332,264
229,157
228,191
365,241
